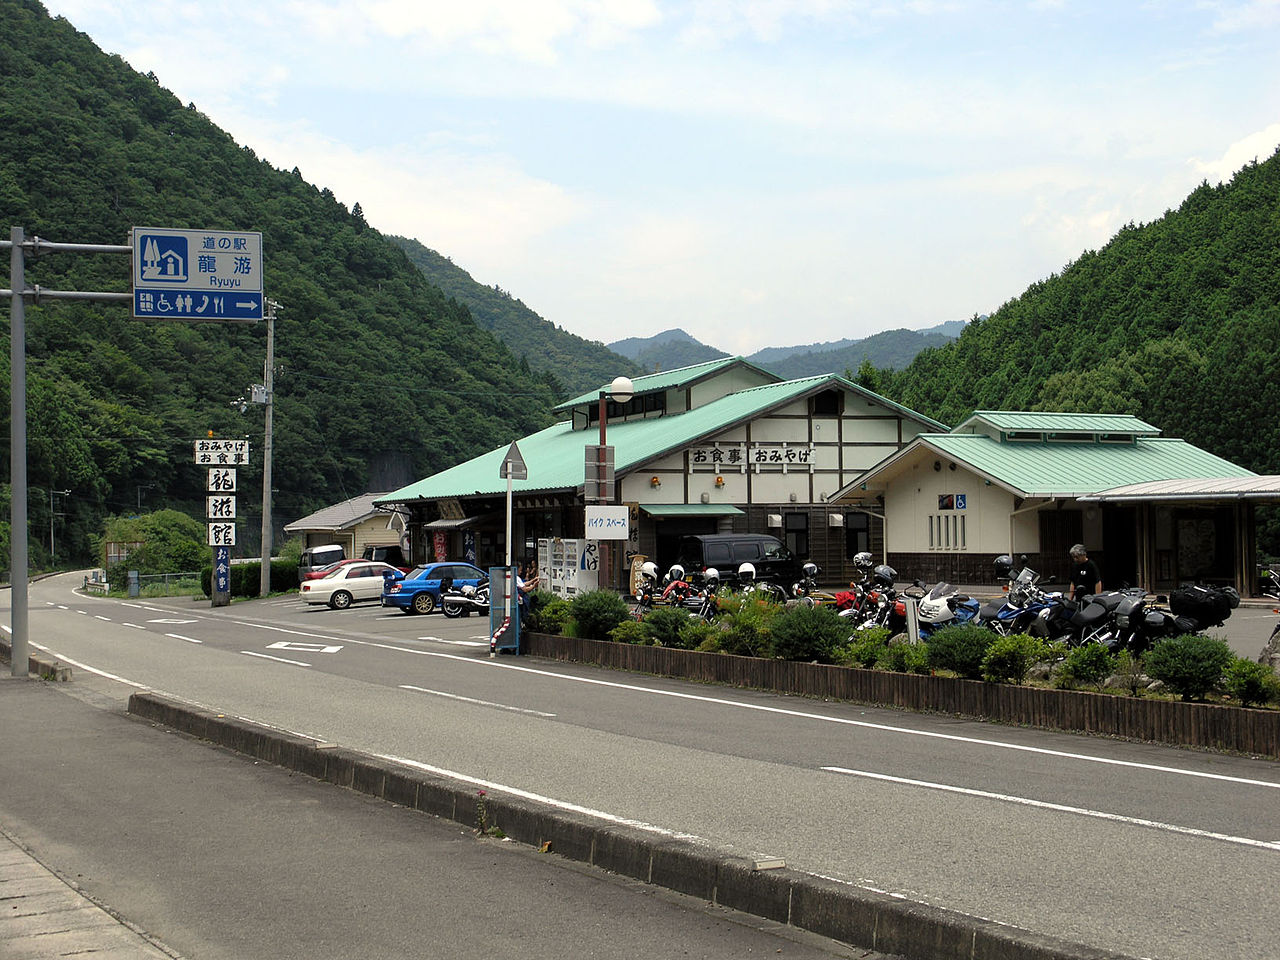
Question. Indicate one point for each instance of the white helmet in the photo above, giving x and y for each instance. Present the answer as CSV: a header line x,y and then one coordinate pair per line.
x,y
649,570
747,571
810,570
676,572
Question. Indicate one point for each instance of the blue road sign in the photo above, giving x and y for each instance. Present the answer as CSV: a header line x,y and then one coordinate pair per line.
x,y
196,274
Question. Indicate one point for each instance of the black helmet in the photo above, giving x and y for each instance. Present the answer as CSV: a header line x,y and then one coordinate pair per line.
x,y
885,575
862,560
1004,566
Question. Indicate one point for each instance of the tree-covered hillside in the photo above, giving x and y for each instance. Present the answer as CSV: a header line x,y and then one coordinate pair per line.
x,y
668,350
578,365
888,350
381,378
1176,321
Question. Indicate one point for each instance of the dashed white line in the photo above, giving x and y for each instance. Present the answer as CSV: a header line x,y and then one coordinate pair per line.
x,y
296,663
482,703
178,636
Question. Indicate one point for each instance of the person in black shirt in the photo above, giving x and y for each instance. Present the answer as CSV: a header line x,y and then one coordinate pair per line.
x,y
1085,576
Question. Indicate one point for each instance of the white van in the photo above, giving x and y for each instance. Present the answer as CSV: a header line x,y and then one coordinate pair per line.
x,y
313,558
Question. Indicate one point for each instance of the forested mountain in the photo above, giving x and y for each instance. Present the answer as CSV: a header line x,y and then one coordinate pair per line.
x,y
891,349
382,378
667,350
578,365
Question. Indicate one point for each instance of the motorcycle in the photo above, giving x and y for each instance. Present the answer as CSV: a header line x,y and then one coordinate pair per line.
x,y
883,605
943,606
465,600
765,588
1270,587
806,590
1026,608
1141,620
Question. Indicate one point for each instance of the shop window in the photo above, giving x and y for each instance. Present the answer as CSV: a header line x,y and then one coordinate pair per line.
x,y
796,533
857,534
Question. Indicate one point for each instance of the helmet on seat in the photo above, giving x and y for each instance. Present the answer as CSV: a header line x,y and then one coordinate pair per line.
x,y
649,570
676,572
810,570
1004,566
885,575
863,560
712,577
747,572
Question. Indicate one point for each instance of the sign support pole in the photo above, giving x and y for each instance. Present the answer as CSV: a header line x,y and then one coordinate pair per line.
x,y
18,452
264,584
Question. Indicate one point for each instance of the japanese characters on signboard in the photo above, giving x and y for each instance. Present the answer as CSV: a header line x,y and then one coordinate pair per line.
x,y
760,457
221,457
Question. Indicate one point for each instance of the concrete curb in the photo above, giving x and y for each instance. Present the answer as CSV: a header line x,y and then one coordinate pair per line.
x,y
45,669
852,915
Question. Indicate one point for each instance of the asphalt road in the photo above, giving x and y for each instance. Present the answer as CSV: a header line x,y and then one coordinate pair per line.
x,y
1143,849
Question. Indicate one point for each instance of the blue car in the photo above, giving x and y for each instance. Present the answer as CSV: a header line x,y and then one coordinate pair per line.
x,y
419,591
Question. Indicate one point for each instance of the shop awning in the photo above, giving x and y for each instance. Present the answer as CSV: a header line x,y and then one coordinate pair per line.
x,y
452,524
690,509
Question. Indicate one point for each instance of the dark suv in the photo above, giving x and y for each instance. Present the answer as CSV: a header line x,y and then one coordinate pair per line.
x,y
726,551
391,554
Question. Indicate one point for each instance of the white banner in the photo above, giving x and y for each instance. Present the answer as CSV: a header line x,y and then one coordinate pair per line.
x,y
608,523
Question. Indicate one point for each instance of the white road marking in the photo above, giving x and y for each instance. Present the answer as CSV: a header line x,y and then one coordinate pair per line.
x,y
296,663
482,703
94,670
458,643
560,804
1060,808
304,647
178,636
138,606
171,621
135,626
98,616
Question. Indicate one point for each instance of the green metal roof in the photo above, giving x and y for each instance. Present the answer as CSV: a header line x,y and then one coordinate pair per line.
x,y
667,379
556,456
1049,469
1033,422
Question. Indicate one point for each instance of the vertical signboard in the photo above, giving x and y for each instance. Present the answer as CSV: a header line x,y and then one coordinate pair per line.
x,y
221,457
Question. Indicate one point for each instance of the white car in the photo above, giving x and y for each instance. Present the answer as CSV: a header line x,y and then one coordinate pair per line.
x,y
348,584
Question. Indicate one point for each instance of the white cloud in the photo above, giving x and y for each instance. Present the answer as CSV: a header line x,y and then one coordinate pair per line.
x,y
1257,146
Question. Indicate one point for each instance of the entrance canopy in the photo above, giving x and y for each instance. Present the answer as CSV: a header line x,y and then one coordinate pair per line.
x,y
690,510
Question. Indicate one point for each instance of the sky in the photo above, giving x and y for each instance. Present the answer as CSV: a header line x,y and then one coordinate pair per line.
x,y
755,172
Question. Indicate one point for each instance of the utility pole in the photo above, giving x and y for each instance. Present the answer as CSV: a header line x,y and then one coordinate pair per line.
x,y
268,380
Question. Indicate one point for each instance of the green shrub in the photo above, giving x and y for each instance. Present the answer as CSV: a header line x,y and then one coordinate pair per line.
x,y
961,649
1091,663
746,624
698,634
864,648
1190,665
551,615
630,631
1251,682
663,625
1128,673
1009,658
904,658
597,612
246,578
806,633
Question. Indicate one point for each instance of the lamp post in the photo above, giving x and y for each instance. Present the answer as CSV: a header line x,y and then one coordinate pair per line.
x,y
620,390
52,494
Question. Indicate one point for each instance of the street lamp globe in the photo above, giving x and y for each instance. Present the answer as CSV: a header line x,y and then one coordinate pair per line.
x,y
622,389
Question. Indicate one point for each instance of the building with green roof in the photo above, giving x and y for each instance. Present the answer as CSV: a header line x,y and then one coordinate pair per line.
x,y
724,446
1152,511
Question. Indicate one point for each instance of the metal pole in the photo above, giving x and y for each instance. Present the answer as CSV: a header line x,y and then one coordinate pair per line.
x,y
269,382
18,452
602,474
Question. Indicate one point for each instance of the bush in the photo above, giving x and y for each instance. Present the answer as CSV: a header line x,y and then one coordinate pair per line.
x,y
550,615
961,649
538,600
246,578
806,633
864,648
1009,658
630,631
664,624
597,612
1251,682
1190,665
1090,663
905,658
747,622
698,634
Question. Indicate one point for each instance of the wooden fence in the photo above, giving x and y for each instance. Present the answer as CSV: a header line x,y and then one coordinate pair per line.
x,y
1204,725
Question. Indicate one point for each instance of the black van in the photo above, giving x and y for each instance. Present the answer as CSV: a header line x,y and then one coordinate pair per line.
x,y
726,551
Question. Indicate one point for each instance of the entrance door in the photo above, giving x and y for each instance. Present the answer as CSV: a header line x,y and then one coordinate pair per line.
x,y
1059,531
1119,556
